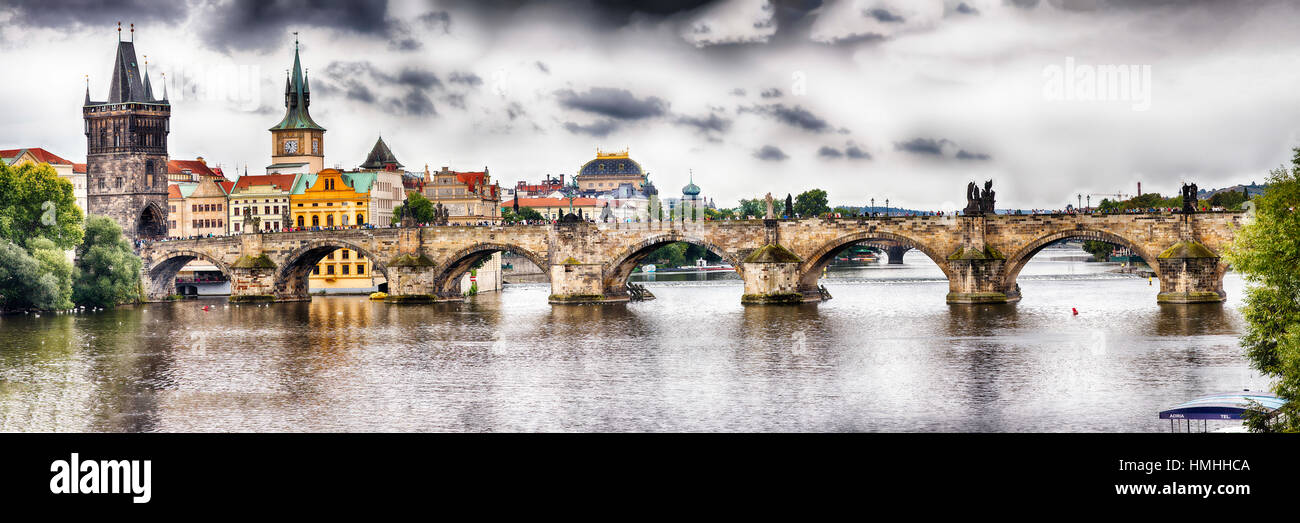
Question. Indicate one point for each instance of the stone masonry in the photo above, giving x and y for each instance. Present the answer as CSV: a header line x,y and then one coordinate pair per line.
x,y
780,261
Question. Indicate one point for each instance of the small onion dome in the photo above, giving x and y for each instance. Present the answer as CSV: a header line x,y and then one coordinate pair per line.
x,y
691,190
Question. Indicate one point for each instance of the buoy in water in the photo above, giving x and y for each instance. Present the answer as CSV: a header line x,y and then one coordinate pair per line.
x,y
1074,310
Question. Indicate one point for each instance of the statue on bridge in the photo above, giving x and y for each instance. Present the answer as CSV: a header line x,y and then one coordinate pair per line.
x,y
1189,198
441,214
978,203
251,223
986,199
771,213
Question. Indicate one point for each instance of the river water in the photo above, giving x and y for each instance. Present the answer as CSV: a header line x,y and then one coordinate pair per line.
x,y
886,354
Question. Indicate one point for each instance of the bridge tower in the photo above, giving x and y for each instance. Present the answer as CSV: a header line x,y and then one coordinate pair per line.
x,y
126,149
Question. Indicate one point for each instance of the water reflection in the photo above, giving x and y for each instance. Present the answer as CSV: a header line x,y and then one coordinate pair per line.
x,y
887,354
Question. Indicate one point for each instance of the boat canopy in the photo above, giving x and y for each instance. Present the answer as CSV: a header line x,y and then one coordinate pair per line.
x,y
1225,405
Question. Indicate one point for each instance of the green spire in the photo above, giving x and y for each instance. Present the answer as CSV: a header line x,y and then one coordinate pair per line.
x,y
296,98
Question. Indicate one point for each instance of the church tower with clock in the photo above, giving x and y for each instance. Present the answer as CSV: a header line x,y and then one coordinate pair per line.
x,y
297,142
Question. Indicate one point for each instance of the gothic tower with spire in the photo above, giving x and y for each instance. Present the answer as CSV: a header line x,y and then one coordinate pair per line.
x,y
297,142
126,149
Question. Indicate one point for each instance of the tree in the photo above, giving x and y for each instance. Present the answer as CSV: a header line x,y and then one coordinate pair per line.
x,y
417,207
757,208
54,262
1266,251
520,214
35,202
811,203
788,210
109,270
1100,251
25,283
1230,200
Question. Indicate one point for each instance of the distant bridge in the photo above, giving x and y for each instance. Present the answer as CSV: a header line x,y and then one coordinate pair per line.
x,y
780,261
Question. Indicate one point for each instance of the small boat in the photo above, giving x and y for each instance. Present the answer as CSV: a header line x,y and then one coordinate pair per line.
x,y
649,267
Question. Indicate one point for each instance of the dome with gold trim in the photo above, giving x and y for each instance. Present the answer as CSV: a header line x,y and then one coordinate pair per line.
x,y
615,163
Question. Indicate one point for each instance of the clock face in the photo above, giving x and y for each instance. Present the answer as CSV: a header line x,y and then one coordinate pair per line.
x,y
291,146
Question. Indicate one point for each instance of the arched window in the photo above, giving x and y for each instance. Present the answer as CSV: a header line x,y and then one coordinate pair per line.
x,y
315,221
329,220
345,220
361,219
300,221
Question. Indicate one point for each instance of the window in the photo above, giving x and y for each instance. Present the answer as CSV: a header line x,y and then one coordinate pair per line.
x,y
344,269
361,219
315,221
315,270
329,220
236,227
361,269
346,254
330,256
329,269
300,221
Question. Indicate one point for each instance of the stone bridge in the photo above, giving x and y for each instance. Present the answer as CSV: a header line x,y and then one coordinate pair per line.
x,y
780,261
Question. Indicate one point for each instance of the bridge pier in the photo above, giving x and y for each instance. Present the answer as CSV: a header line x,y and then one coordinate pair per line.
x,y
895,254
1190,273
252,282
411,279
976,276
772,277
574,283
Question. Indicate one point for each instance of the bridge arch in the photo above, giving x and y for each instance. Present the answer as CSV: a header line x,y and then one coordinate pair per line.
x,y
447,275
291,278
162,274
1017,260
811,270
619,269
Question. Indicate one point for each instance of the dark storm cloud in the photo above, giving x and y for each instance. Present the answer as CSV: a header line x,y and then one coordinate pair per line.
x,y
456,100
883,16
469,79
405,44
605,14
771,93
770,153
598,129
515,110
543,68
363,82
1025,4
613,103
705,124
263,24
854,152
795,116
436,20
93,13
928,146
851,151
964,155
966,9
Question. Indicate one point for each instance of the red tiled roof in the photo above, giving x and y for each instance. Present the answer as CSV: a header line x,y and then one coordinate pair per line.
x,y
471,178
226,185
195,166
79,168
551,202
41,155
284,182
173,191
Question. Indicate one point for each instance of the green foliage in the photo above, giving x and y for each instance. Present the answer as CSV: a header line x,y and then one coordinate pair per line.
x,y
1266,252
417,207
677,254
1230,200
1100,251
35,202
757,208
811,203
1152,200
110,271
509,215
24,282
54,263
788,210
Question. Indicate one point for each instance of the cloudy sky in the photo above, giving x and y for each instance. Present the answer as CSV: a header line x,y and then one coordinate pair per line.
x,y
899,99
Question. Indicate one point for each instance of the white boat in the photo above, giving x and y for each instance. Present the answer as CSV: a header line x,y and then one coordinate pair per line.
x,y
649,267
